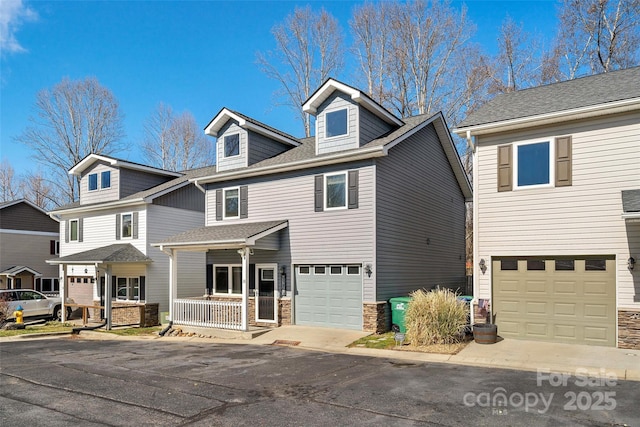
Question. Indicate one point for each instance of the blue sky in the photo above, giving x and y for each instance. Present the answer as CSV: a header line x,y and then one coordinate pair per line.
x,y
192,55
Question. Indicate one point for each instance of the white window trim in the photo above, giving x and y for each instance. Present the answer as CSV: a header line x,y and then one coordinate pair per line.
x,y
77,221
352,274
122,236
129,288
102,187
89,190
229,279
224,145
304,274
552,172
224,203
336,266
326,121
346,191
320,274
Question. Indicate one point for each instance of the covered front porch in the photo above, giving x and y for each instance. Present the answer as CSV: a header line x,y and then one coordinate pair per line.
x,y
246,278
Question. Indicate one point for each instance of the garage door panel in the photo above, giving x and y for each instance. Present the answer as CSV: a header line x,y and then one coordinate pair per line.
x,y
576,306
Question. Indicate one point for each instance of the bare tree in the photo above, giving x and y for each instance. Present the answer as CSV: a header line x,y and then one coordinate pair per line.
x,y
175,142
596,36
309,49
39,191
11,184
73,119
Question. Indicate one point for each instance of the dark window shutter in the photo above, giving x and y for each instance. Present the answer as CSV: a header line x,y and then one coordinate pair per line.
x,y
252,276
244,201
353,189
142,294
563,162
209,279
135,225
66,231
114,287
80,227
117,226
505,168
218,205
319,193
52,247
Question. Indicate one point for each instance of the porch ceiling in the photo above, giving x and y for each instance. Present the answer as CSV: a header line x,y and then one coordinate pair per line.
x,y
231,235
112,254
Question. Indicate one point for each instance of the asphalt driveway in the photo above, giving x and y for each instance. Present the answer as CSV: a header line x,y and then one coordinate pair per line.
x,y
77,381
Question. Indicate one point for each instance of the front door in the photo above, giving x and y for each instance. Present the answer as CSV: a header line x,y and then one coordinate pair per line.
x,y
266,301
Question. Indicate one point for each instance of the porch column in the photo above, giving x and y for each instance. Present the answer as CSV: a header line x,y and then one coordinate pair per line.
x,y
245,253
108,296
173,280
63,291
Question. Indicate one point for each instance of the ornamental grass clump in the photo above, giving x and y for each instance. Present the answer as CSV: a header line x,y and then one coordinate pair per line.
x,y
435,317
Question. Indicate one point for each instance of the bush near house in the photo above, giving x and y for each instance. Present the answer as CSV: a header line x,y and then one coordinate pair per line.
x,y
435,317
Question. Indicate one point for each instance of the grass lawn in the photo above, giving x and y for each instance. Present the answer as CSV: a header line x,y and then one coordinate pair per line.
x,y
38,329
152,330
387,342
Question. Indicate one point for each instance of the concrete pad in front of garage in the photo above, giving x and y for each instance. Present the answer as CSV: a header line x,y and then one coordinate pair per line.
x,y
311,337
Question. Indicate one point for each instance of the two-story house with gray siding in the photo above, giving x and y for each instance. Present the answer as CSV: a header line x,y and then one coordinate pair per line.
x,y
107,234
28,238
557,210
324,230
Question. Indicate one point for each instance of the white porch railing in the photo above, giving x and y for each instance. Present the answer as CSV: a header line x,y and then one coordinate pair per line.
x,y
208,314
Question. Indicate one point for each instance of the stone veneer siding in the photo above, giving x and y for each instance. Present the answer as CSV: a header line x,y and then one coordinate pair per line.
x,y
143,314
374,317
629,329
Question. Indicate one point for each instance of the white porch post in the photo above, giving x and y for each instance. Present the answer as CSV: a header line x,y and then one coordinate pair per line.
x,y
107,296
173,280
244,253
63,291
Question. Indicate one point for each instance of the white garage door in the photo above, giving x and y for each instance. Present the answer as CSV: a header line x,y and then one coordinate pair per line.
x,y
329,295
570,300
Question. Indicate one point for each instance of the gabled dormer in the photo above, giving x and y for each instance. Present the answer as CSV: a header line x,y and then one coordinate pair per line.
x,y
346,118
106,179
242,141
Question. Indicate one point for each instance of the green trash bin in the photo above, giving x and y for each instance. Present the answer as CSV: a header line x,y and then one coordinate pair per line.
x,y
398,308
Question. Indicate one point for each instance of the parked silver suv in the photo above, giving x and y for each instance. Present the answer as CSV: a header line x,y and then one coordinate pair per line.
x,y
34,304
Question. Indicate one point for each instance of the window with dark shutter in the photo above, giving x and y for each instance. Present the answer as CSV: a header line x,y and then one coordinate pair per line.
x,y
244,201
143,294
319,193
66,231
353,189
505,168
135,225
80,230
219,205
52,247
117,226
563,161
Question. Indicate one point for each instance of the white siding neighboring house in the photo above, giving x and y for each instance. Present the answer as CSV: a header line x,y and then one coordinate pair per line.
x,y
324,230
556,215
107,234
28,237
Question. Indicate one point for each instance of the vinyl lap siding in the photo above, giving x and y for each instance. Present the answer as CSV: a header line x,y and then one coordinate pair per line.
x,y
335,102
261,147
28,250
99,195
371,127
227,163
188,197
132,181
21,216
420,218
583,219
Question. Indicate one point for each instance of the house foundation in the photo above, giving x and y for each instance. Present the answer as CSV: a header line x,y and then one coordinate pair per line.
x,y
629,329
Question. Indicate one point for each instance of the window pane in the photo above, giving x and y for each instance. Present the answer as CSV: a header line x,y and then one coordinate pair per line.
x,y
304,269
565,265
336,190
105,179
336,270
595,265
267,274
231,203
336,123
222,280
93,181
126,225
319,270
237,280
535,265
74,230
509,265
122,288
232,145
134,288
353,270
533,164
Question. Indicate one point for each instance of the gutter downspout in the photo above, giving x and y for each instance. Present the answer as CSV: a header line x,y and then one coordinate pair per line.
x,y
200,187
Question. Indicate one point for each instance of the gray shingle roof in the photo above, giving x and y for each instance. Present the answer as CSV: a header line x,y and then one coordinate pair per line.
x,y
118,253
11,271
568,95
223,233
631,201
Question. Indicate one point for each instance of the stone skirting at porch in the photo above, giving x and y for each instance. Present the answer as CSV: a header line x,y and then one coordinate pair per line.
x,y
123,313
629,329
284,310
375,316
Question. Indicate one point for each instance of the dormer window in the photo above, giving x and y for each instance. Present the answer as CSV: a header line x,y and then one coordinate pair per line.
x,y
336,123
105,179
232,145
93,182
